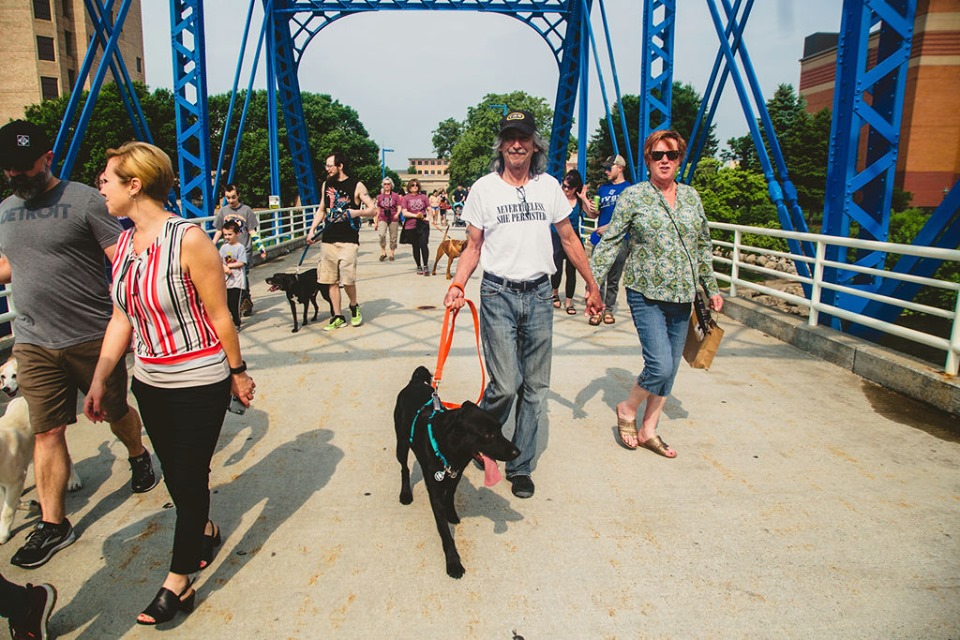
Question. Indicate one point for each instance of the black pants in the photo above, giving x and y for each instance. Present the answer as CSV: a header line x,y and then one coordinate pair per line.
x,y
14,600
246,278
421,251
233,303
559,260
183,425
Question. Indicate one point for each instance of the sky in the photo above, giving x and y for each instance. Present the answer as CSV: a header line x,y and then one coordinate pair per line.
x,y
406,71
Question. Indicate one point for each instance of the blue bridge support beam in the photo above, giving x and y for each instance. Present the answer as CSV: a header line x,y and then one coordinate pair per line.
x,y
190,108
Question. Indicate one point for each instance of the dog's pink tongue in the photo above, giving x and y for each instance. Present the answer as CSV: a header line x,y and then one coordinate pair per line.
x,y
491,472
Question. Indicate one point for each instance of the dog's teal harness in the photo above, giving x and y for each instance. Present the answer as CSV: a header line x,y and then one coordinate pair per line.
x,y
437,408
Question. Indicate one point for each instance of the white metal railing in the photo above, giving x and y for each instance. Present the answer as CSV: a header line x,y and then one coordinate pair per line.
x,y
278,227
281,227
817,265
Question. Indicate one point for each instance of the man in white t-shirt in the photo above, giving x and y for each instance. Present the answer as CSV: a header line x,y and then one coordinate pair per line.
x,y
508,216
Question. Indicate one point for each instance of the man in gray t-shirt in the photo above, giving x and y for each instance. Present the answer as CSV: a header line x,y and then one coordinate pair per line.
x,y
53,237
249,235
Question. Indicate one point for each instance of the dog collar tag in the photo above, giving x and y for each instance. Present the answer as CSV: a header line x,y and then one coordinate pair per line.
x,y
438,476
436,402
451,472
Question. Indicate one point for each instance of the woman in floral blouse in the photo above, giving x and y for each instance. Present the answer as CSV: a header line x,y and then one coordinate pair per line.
x,y
669,251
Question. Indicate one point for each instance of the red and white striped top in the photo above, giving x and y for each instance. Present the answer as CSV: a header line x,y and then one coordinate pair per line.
x,y
176,345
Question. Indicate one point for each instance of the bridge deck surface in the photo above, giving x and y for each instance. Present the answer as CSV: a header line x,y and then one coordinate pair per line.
x,y
804,503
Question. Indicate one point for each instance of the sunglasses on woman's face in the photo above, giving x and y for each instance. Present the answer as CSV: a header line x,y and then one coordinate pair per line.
x,y
658,155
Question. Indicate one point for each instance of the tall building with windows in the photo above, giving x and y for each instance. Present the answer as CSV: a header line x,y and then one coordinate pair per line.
x,y
928,163
42,45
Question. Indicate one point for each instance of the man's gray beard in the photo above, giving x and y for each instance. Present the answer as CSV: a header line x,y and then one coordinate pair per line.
x,y
30,187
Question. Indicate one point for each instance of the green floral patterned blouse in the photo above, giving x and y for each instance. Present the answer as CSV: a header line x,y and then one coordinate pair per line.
x,y
657,265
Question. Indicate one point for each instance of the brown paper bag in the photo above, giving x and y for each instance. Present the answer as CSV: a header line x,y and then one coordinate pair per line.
x,y
700,348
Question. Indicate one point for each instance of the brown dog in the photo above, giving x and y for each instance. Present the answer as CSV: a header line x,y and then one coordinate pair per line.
x,y
451,248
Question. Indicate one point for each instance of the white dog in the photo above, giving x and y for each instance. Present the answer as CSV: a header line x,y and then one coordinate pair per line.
x,y
16,450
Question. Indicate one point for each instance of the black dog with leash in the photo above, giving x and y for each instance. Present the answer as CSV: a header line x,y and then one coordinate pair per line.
x,y
302,288
444,441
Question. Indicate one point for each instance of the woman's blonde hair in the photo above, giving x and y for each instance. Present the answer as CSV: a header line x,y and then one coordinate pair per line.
x,y
146,162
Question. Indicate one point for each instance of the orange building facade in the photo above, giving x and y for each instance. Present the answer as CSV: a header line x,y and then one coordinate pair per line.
x,y
928,164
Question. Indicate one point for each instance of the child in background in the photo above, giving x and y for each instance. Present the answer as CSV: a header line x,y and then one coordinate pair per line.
x,y
234,257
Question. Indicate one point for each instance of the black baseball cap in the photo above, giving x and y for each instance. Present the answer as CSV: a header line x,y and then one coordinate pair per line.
x,y
522,121
21,143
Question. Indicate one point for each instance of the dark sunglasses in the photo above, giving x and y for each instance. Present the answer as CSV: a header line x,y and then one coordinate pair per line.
x,y
658,155
607,167
566,186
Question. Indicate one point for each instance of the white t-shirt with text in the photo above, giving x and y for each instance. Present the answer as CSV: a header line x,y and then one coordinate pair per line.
x,y
516,224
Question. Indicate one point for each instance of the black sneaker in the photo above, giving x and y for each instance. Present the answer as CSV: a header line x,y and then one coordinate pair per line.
x,y
522,486
42,543
33,625
141,469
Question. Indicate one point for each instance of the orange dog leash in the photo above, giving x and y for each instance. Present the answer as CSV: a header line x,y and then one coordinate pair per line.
x,y
446,342
491,472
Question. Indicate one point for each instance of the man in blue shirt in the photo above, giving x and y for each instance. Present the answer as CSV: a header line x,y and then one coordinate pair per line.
x,y
608,193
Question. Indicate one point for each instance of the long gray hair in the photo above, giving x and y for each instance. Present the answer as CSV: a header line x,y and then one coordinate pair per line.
x,y
537,165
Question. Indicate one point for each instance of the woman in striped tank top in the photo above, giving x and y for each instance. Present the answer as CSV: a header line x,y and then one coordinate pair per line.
x,y
169,293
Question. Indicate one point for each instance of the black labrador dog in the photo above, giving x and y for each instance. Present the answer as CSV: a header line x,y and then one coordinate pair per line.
x,y
444,441
304,288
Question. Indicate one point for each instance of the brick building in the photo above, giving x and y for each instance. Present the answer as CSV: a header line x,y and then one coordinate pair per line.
x,y
43,43
431,172
929,157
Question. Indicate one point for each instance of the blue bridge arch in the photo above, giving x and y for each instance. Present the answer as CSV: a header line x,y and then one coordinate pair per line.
x,y
869,98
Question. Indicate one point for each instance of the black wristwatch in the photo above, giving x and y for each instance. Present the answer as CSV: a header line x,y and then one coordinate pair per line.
x,y
237,370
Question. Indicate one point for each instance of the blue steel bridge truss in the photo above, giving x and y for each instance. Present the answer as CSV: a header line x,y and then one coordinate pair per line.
x,y
868,98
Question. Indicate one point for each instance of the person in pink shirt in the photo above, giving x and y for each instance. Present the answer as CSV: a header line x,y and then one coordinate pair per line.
x,y
416,211
388,217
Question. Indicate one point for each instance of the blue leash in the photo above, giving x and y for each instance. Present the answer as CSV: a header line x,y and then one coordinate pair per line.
x,y
307,248
437,408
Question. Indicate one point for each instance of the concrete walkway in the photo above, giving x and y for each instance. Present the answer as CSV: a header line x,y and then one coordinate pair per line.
x,y
805,502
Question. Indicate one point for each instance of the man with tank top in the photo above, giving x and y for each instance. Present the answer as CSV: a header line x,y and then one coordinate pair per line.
x,y
343,201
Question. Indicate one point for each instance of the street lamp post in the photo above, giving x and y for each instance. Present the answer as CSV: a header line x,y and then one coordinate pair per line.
x,y
383,162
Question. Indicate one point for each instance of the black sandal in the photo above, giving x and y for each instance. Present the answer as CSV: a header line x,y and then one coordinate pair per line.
x,y
209,543
166,604
556,301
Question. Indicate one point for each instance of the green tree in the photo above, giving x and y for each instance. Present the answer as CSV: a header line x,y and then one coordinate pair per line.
x,y
471,155
109,125
736,196
331,126
804,139
686,103
445,137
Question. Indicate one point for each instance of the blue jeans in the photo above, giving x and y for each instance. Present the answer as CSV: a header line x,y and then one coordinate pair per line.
x,y
662,327
517,332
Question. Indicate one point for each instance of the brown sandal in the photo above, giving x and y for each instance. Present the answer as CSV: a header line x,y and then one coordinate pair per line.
x,y
626,428
608,317
595,320
657,445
